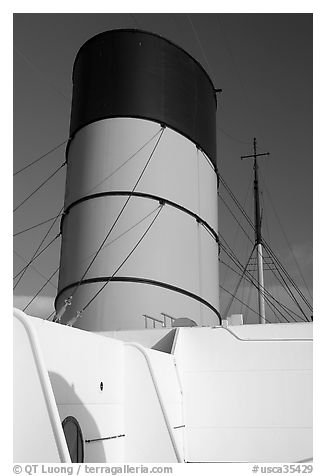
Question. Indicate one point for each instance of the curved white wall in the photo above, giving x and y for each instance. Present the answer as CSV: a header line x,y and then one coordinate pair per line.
x,y
178,251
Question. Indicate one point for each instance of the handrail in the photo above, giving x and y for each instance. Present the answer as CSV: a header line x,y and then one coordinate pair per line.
x,y
104,438
159,396
165,315
154,320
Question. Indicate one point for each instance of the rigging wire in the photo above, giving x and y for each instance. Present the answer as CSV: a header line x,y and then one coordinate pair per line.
x,y
124,163
33,267
124,261
120,236
40,158
35,257
246,305
249,276
250,279
34,226
238,284
250,255
236,201
255,282
227,134
234,294
269,240
52,314
42,75
41,289
39,187
226,248
286,238
38,248
240,226
246,313
200,45
100,183
124,232
287,289
266,295
243,288
287,275
253,279
120,213
267,247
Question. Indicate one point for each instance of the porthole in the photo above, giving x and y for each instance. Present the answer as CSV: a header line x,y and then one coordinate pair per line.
x,y
74,439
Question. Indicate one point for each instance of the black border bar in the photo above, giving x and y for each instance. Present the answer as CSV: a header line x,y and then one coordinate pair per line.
x,y
140,195
132,279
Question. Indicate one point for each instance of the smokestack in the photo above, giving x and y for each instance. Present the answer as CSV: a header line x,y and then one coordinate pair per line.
x,y
142,145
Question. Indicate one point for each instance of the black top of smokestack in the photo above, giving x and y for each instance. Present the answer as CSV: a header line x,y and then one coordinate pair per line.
x,y
133,73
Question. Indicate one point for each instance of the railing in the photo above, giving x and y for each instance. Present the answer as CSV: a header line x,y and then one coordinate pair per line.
x,y
154,320
165,315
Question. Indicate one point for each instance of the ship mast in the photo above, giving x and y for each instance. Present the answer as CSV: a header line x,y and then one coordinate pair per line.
x,y
258,237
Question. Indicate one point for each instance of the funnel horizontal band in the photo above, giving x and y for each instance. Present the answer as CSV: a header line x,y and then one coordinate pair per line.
x,y
141,195
132,279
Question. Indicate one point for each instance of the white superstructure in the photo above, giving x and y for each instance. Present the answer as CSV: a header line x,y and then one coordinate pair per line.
x,y
242,393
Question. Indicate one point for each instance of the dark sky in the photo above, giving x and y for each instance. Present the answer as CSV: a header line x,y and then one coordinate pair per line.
x,y
263,63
